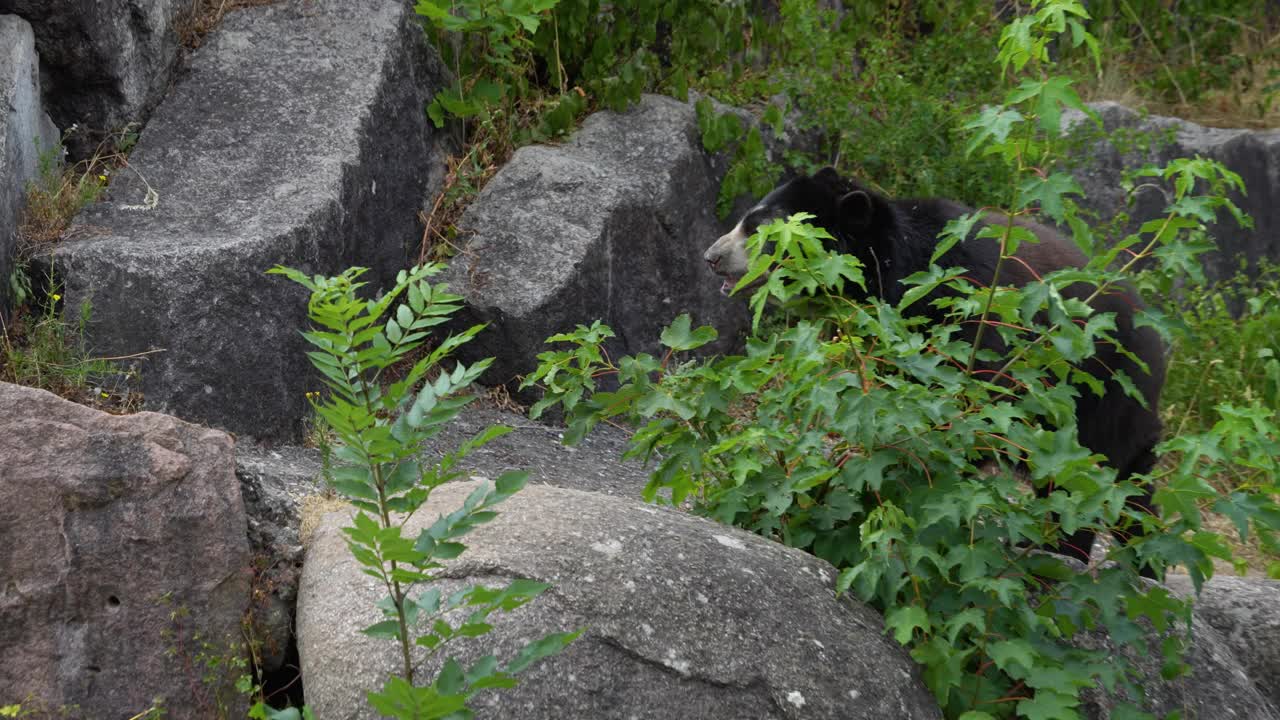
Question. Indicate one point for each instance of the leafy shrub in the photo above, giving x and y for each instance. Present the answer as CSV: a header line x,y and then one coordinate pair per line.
x,y
866,436
885,88
527,70
559,58
377,468
1229,349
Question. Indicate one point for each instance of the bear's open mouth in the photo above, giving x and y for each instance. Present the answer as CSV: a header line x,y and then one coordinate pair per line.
x,y
731,281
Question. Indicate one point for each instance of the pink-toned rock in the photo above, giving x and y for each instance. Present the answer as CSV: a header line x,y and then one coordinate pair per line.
x,y
121,537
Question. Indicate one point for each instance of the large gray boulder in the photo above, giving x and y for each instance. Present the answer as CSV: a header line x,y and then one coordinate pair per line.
x,y
105,63
682,618
1246,612
25,133
124,551
610,225
278,481
298,137
1253,154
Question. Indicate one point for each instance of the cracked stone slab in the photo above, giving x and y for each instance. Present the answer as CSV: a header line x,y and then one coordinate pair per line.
x,y
25,133
610,225
683,618
297,137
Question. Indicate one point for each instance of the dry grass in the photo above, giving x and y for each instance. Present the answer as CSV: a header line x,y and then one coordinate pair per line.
x,y
203,16
490,141
1251,98
312,510
1249,551
499,398
466,177
58,193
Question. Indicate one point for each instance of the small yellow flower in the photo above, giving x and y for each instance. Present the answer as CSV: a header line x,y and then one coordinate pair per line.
x,y
106,395
56,297
103,178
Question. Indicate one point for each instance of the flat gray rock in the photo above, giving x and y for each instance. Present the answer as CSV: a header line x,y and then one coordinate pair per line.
x,y
610,225
123,550
1217,685
683,618
298,137
107,63
25,133
594,465
1253,154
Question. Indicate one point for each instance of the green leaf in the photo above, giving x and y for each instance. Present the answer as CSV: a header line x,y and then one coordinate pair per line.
x,y
955,231
1055,95
1049,705
992,126
1182,496
527,588
354,482
509,483
904,620
488,93
539,649
1015,656
1048,191
447,550
452,678
678,336
404,476
385,630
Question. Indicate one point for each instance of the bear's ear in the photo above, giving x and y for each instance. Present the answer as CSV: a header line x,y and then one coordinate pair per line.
x,y
827,175
857,209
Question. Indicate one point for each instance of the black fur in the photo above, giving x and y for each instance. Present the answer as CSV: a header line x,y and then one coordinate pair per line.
x,y
895,238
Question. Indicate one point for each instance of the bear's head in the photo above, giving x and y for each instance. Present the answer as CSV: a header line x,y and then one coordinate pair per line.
x,y
859,220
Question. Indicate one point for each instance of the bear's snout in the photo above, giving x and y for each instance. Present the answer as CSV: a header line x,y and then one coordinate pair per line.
x,y
728,247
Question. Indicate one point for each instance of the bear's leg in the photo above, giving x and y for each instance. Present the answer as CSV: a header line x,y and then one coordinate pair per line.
x,y
1077,546
1140,465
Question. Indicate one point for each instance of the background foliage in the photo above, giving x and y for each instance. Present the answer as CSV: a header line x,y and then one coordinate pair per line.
x,y
868,436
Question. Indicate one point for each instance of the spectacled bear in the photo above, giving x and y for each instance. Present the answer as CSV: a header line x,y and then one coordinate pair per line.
x,y
896,238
